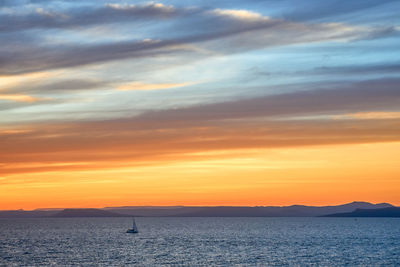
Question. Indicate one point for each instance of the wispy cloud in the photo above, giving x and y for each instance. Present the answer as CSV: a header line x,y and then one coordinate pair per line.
x,y
370,115
223,30
149,86
82,88
83,16
55,86
314,9
369,95
19,98
243,124
240,14
110,142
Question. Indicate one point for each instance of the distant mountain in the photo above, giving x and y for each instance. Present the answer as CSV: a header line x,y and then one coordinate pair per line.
x,y
157,212
87,213
385,212
144,207
48,209
272,211
182,211
26,214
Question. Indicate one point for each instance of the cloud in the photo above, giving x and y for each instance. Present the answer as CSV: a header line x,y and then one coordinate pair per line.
x,y
219,30
21,80
19,98
369,115
43,18
11,3
240,14
382,94
34,59
149,86
110,142
386,67
55,86
314,9
158,9
259,123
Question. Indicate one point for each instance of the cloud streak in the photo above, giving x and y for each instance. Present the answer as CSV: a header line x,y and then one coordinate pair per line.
x,y
111,142
83,16
55,86
237,30
168,135
253,86
149,86
18,98
369,95
312,10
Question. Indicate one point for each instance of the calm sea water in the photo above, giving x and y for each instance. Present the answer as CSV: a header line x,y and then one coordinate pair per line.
x,y
200,241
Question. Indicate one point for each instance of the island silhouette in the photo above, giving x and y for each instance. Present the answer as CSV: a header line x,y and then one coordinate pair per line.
x,y
353,209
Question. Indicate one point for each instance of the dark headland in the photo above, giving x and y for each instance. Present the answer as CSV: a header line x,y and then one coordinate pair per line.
x,y
353,209
385,212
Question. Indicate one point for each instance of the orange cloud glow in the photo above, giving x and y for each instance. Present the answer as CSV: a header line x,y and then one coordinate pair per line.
x,y
370,115
19,98
133,162
198,103
280,176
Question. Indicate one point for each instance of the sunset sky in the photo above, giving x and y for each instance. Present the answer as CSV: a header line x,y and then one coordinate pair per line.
x,y
258,102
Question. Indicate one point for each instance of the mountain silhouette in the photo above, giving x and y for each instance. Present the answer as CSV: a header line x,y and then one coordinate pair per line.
x,y
385,212
86,213
182,211
226,211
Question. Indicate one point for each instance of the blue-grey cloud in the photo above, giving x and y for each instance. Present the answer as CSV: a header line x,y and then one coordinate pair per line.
x,y
387,68
314,9
359,69
83,16
373,95
224,31
57,86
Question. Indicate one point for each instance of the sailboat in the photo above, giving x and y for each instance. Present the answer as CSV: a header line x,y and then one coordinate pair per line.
x,y
134,229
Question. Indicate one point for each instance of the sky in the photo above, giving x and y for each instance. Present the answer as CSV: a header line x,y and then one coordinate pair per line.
x,y
244,103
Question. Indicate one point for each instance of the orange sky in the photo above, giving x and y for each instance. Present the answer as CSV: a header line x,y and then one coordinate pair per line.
x,y
186,157
203,103
314,175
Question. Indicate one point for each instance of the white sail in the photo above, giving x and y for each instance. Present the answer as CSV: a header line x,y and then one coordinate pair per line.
x,y
134,227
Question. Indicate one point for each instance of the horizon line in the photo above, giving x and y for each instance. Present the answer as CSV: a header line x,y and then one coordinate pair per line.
x,y
206,206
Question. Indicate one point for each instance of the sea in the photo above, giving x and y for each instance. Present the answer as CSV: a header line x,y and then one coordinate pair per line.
x,y
174,241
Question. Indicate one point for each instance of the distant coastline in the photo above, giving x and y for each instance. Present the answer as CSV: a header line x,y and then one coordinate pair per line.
x,y
382,212
353,209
